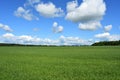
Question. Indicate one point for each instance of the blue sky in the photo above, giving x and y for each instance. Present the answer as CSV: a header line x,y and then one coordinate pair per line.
x,y
59,22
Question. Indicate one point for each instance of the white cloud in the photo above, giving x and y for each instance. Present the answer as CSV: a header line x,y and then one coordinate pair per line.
x,y
55,24
5,27
71,6
8,38
87,13
26,14
33,1
27,39
107,37
114,38
102,35
108,28
89,26
23,39
73,41
8,35
49,10
60,29
45,9
56,28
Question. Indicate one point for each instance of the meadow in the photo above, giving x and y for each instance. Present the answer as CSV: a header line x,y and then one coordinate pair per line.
x,y
59,63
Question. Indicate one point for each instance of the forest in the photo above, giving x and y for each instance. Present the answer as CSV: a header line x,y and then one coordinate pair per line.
x,y
107,43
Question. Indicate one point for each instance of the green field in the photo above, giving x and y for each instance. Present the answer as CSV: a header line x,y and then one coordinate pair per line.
x,y
59,63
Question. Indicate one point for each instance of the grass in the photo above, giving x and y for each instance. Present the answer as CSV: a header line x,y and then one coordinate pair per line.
x,y
59,63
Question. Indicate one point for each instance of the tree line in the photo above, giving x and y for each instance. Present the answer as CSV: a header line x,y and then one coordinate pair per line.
x,y
107,43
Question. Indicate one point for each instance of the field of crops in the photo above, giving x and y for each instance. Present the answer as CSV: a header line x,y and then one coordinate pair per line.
x,y
59,63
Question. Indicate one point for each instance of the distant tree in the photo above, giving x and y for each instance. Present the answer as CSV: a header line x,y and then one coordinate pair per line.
x,y
107,43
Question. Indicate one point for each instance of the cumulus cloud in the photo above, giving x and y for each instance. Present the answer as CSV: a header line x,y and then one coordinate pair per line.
x,y
8,38
49,10
102,35
57,28
55,24
87,13
60,29
108,28
8,35
31,2
71,6
107,36
27,39
73,41
89,26
5,27
114,37
26,14
23,39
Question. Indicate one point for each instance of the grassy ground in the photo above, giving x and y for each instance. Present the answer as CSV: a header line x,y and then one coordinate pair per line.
x,y
59,63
